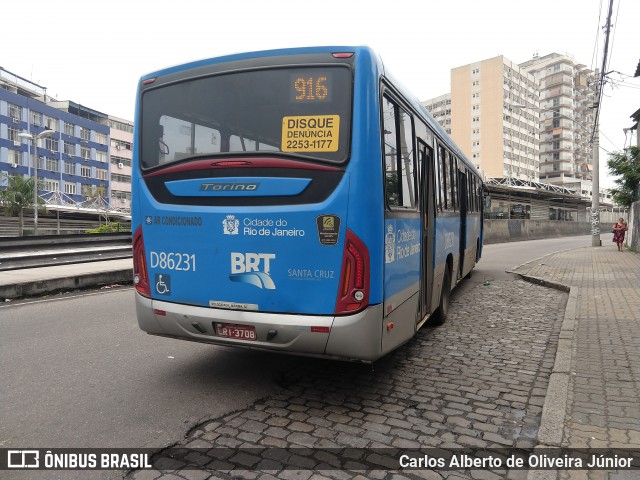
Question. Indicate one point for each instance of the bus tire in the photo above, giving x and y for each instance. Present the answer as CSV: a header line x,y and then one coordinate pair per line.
x,y
440,315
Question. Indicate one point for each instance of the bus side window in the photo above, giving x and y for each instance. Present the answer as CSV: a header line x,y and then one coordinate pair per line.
x,y
470,199
454,181
399,159
444,181
407,160
389,138
437,174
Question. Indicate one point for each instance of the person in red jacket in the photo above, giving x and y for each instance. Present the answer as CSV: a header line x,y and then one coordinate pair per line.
x,y
618,233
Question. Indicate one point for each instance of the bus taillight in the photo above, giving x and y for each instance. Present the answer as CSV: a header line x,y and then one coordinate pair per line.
x,y
140,274
353,293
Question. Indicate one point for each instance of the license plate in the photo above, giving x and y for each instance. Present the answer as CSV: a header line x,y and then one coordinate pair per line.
x,y
239,332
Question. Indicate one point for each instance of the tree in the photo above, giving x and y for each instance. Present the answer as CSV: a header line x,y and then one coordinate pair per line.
x,y
18,196
626,166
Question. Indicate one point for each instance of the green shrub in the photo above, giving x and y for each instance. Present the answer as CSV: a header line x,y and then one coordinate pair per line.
x,y
112,227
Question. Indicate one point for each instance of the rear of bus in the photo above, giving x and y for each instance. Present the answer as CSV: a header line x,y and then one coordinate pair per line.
x,y
253,224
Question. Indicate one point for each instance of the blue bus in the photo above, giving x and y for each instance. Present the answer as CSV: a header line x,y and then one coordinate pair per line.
x,y
299,201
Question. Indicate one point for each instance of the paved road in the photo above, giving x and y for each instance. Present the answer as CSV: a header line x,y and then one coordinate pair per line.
x,y
78,372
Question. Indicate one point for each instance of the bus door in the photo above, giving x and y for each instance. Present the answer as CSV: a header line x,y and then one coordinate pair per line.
x,y
463,195
427,211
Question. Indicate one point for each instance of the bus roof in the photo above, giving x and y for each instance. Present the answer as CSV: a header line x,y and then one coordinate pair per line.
x,y
256,54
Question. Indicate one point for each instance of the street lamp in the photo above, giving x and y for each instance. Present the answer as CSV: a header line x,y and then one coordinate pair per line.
x,y
47,132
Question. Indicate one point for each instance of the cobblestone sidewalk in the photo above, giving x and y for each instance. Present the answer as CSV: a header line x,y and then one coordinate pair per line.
x,y
601,367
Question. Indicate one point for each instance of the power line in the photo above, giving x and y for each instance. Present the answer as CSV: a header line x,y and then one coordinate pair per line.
x,y
594,56
610,141
603,71
615,23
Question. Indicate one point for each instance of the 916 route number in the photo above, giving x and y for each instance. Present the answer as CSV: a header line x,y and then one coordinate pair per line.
x,y
184,262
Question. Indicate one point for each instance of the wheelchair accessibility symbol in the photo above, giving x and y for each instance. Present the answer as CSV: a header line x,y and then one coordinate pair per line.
x,y
163,284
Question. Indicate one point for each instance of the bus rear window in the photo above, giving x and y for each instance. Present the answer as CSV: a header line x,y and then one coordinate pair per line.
x,y
304,112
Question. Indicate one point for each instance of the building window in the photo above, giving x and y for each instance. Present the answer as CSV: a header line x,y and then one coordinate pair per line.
x,y
13,135
69,168
119,195
125,127
70,188
35,118
120,144
120,178
50,123
15,156
101,138
51,185
85,171
69,148
85,134
101,173
52,165
126,162
51,144
101,156
69,129
85,153
15,112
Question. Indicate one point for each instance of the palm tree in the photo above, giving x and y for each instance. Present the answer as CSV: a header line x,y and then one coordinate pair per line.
x,y
18,196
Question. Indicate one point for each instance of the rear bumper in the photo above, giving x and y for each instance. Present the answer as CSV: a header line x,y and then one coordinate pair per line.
x,y
351,337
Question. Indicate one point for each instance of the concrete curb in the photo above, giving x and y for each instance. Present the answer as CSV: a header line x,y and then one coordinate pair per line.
x,y
41,287
554,411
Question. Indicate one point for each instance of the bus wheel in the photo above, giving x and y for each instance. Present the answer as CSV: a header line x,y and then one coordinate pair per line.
x,y
440,315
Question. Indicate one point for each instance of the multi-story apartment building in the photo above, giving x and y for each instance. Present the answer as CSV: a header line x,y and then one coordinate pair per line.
x,y
494,117
88,156
73,162
529,121
567,95
121,154
440,109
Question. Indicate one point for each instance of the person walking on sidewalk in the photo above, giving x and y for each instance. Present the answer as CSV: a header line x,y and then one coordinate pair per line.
x,y
618,233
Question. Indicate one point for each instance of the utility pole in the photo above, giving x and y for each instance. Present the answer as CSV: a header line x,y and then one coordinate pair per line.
x,y
595,188
595,171
595,137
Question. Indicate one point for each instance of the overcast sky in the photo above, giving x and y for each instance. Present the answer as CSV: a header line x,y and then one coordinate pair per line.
x,y
94,52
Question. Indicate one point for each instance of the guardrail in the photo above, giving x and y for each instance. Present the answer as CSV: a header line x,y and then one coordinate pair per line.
x,y
50,250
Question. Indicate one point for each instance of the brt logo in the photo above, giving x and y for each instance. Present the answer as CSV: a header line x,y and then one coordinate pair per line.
x,y
252,268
